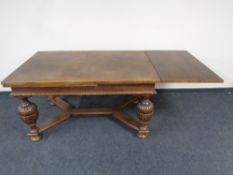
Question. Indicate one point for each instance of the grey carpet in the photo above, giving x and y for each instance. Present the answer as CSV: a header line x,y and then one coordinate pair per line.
x,y
192,133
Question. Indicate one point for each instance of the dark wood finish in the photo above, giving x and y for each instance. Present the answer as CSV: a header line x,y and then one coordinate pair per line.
x,y
54,121
68,110
145,109
127,101
92,111
120,116
29,115
60,103
133,73
180,66
99,90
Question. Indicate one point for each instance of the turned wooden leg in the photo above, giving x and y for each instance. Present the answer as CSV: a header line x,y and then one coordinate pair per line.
x,y
145,110
29,114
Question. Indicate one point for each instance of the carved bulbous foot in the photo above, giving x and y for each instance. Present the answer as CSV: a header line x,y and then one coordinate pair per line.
x,y
29,115
145,110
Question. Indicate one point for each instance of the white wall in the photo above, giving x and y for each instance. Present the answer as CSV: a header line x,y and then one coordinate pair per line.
x,y
203,27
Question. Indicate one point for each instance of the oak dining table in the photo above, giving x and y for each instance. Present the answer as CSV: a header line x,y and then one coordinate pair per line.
x,y
131,73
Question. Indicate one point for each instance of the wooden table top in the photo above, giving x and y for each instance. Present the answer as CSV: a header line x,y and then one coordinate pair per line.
x,y
181,66
82,68
93,68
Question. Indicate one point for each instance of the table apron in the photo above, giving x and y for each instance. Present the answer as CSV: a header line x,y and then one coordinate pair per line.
x,y
98,90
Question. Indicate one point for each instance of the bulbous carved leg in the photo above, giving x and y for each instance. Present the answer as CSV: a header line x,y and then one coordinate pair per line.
x,y
145,110
29,114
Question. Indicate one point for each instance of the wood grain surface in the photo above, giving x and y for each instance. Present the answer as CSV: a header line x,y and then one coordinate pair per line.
x,y
180,66
83,68
95,68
